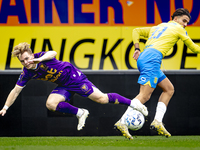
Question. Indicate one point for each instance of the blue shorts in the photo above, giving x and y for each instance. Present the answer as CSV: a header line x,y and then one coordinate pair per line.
x,y
83,88
148,64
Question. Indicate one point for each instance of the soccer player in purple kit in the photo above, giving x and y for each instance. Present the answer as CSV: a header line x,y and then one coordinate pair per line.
x,y
69,80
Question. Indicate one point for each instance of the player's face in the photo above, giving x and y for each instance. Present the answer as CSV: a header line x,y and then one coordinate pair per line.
x,y
182,20
24,58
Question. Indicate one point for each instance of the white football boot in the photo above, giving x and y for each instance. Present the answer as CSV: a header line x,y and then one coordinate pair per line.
x,y
139,106
82,119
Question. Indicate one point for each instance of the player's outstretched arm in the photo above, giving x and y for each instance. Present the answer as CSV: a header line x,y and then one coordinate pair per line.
x,y
47,56
192,46
10,99
3,111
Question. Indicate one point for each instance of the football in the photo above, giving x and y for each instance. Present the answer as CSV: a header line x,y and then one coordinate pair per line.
x,y
134,120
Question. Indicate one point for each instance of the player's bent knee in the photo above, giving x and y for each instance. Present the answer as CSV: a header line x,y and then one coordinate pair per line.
x,y
146,98
50,106
171,91
53,101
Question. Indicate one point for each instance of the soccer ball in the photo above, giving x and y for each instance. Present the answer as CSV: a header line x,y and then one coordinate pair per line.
x,y
134,120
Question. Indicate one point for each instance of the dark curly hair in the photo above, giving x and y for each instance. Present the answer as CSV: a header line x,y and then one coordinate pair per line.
x,y
181,12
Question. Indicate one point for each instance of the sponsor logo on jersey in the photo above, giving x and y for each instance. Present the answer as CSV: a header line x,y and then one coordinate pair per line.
x,y
85,88
43,66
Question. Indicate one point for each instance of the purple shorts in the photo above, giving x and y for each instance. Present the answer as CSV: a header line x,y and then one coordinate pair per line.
x,y
83,88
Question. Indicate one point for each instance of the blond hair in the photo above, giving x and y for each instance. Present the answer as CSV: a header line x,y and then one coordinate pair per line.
x,y
20,49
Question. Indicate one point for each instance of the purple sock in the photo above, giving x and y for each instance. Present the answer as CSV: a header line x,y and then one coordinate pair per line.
x,y
64,107
118,99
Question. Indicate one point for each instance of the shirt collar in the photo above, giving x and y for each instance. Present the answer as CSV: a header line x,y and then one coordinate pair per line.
x,y
175,23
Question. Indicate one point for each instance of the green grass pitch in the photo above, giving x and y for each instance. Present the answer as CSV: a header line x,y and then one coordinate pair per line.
x,y
100,143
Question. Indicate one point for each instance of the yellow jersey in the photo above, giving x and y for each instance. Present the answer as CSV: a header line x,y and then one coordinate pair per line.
x,y
163,37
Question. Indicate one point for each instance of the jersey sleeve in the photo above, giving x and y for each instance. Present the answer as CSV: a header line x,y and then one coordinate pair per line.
x,y
23,79
40,54
183,34
192,46
188,42
137,32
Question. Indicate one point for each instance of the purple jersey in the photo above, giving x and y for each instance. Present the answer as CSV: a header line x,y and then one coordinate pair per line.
x,y
59,72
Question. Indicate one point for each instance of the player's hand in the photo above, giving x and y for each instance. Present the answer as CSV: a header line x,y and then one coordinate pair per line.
x,y
35,61
2,112
136,54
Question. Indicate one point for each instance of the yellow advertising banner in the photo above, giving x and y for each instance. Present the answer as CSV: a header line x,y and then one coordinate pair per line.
x,y
92,34
96,48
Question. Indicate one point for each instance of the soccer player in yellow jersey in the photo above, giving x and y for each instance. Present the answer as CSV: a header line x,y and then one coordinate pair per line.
x,y
161,39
